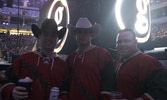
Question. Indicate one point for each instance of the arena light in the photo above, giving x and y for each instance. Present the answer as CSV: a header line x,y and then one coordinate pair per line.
x,y
21,31
141,24
143,19
160,48
118,14
3,30
64,2
143,7
58,16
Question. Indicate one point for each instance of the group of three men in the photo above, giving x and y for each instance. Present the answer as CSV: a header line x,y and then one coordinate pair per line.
x,y
89,73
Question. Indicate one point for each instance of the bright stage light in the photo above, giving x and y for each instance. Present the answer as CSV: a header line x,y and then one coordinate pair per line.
x,y
58,16
142,25
118,14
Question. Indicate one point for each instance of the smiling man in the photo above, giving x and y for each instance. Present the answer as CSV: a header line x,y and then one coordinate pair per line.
x,y
138,75
126,43
42,66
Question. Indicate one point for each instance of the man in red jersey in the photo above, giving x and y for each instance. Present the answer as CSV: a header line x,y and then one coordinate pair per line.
x,y
138,75
43,66
91,67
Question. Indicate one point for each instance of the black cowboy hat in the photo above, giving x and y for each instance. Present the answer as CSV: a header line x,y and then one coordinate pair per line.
x,y
49,25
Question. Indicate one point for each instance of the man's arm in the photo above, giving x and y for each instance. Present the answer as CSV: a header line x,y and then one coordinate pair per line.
x,y
155,85
108,80
9,84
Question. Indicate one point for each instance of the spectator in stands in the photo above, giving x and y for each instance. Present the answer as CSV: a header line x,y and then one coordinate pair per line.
x,y
138,75
16,44
158,30
43,66
92,71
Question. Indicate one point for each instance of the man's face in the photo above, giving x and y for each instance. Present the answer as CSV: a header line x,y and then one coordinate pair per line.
x,y
48,40
126,44
83,37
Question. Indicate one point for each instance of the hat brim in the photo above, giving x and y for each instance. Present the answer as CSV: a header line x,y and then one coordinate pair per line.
x,y
61,33
37,31
95,29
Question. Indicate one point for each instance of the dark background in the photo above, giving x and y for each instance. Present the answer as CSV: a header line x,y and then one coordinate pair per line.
x,y
102,12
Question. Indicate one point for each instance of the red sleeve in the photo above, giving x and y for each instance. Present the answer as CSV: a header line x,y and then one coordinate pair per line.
x,y
151,65
154,81
65,80
16,65
8,87
107,74
103,57
105,97
65,84
64,96
6,91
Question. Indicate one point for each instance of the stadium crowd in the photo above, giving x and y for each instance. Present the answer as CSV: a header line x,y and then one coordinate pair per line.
x,y
12,45
159,30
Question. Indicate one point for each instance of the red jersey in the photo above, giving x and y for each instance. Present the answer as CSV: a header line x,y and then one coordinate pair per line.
x,y
46,72
90,74
136,77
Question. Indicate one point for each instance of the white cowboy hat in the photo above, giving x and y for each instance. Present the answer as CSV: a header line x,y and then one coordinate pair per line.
x,y
84,24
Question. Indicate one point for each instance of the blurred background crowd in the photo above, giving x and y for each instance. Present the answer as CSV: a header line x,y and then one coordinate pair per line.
x,y
13,45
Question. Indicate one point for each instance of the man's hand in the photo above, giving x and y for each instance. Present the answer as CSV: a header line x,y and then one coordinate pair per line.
x,y
18,93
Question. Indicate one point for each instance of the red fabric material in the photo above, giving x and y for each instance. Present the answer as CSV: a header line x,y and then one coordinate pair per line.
x,y
44,78
105,97
64,96
5,93
85,73
132,72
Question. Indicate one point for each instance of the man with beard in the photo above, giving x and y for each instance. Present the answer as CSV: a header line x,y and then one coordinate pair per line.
x,y
42,66
138,75
91,67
